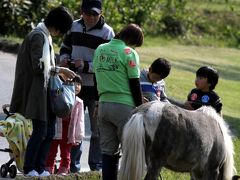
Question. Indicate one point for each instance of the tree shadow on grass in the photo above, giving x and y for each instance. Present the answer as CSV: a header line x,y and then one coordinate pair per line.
x,y
227,72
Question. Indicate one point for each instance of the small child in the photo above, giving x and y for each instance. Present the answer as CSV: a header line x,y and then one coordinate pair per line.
x,y
203,94
152,83
69,132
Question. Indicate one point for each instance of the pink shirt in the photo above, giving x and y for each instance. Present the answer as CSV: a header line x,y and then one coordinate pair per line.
x,y
76,128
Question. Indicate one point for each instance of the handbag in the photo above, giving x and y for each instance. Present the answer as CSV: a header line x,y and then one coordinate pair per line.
x,y
62,96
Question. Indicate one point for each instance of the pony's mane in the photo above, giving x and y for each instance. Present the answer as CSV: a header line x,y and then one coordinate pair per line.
x,y
209,111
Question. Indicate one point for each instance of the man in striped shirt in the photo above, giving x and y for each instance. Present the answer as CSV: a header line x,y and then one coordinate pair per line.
x,y
77,50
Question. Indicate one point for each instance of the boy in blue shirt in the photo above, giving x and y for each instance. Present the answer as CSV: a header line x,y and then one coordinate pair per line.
x,y
152,80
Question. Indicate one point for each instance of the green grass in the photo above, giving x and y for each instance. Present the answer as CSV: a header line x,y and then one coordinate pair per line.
x,y
187,59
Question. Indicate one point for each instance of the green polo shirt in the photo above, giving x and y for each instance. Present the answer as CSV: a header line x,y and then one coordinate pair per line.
x,y
114,64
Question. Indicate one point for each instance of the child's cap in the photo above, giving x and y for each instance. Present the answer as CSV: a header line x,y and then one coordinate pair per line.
x,y
94,5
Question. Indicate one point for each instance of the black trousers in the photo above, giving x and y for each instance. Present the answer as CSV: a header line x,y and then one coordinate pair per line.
x,y
39,144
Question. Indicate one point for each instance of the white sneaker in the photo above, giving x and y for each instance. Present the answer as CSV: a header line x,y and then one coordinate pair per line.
x,y
32,173
62,174
44,173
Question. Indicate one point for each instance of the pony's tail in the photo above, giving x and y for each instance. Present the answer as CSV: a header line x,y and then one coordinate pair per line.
x,y
133,146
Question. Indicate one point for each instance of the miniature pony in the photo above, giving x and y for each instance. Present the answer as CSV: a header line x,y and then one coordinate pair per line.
x,y
164,135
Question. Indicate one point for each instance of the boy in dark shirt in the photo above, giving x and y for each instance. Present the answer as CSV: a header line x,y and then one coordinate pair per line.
x,y
203,95
206,80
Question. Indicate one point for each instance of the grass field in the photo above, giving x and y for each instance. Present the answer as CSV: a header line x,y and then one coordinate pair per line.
x,y
185,61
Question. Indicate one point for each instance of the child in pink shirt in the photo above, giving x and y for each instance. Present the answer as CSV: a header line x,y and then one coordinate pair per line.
x,y
69,132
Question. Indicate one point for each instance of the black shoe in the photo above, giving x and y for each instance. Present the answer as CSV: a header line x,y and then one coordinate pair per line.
x,y
96,168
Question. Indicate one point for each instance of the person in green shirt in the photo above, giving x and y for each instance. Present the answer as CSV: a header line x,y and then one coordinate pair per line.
x,y
117,71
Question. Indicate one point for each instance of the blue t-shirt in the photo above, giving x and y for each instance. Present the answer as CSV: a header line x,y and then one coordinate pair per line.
x,y
152,91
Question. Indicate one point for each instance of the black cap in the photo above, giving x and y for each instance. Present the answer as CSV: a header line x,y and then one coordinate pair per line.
x,y
94,5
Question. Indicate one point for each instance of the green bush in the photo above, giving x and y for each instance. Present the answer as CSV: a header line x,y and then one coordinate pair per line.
x,y
19,16
187,20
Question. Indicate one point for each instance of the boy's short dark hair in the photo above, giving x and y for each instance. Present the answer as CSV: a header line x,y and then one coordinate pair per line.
x,y
161,66
60,19
77,79
210,73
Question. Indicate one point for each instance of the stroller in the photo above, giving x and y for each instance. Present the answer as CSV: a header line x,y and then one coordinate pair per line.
x,y
17,130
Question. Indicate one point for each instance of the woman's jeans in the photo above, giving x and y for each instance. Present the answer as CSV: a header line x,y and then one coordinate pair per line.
x,y
39,144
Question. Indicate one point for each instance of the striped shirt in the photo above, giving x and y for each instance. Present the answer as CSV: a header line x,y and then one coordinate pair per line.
x,y
152,91
80,43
